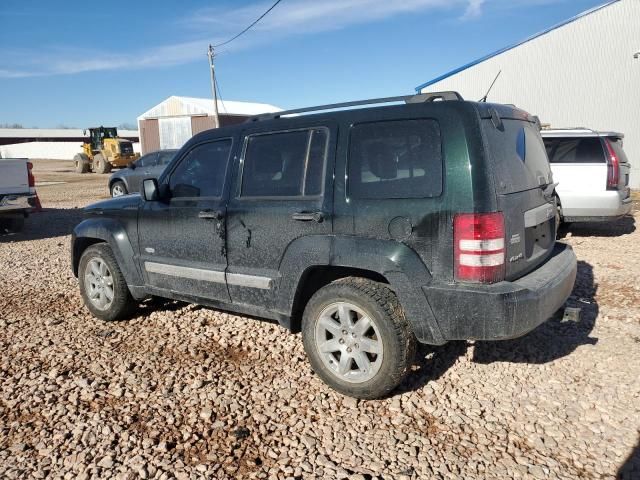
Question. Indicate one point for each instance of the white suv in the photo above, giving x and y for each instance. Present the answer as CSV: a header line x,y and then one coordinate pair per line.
x,y
592,172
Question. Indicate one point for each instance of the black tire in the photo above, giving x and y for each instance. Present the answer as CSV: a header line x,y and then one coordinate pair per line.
x,y
123,303
118,184
383,307
100,164
82,163
12,225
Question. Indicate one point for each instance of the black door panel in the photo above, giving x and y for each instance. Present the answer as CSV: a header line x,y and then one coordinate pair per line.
x,y
282,193
182,239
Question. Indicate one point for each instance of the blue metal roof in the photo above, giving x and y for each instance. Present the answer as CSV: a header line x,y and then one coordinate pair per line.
x,y
511,47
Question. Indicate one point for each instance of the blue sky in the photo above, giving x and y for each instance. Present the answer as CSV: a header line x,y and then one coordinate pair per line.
x,y
72,63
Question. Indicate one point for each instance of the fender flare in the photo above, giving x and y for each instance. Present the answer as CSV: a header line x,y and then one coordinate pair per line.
x,y
399,264
112,232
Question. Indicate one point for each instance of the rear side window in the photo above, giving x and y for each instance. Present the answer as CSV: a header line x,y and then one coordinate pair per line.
x,y
575,150
395,159
285,164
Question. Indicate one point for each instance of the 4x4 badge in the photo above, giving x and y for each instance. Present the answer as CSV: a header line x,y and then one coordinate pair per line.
x,y
516,258
515,239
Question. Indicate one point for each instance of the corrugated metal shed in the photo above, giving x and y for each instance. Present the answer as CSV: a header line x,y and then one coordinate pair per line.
x,y
175,120
190,106
581,73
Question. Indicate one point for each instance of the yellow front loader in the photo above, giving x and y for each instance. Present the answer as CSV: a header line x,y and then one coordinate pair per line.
x,y
103,151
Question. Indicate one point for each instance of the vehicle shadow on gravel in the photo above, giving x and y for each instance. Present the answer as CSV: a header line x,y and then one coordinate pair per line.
x,y
624,226
49,223
631,468
431,362
557,337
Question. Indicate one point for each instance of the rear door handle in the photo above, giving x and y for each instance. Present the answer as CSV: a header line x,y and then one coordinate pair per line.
x,y
317,217
210,215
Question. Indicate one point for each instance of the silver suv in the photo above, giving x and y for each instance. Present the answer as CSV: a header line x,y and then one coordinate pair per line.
x,y
592,172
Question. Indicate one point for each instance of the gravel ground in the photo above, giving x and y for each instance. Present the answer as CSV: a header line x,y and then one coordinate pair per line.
x,y
183,391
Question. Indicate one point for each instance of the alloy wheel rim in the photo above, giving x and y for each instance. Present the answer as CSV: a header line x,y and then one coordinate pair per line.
x,y
99,284
349,343
117,191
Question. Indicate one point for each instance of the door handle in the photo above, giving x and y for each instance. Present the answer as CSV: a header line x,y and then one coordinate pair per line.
x,y
211,215
317,217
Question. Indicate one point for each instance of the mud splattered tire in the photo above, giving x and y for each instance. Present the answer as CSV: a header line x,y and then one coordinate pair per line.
x,y
102,285
357,338
82,163
11,225
100,164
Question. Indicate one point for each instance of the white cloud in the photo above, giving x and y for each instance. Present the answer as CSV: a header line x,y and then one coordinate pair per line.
x,y
474,9
213,25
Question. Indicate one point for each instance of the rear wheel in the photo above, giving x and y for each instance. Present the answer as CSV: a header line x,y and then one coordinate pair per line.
x,y
118,189
102,285
81,163
357,338
100,164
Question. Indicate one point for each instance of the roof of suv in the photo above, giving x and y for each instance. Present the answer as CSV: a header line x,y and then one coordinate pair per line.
x,y
342,110
578,132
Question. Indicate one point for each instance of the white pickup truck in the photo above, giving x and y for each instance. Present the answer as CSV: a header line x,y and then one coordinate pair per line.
x,y
592,172
18,195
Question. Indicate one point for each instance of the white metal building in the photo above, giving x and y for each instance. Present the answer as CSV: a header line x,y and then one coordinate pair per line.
x,y
584,72
49,143
175,120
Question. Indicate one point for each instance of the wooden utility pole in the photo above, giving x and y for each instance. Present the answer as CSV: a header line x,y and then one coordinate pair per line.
x,y
214,90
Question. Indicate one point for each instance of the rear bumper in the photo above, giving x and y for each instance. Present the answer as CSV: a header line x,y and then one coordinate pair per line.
x,y
17,203
506,309
596,206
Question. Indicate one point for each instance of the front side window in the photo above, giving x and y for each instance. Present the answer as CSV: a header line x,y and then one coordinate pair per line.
x,y
285,164
147,160
201,172
165,157
395,159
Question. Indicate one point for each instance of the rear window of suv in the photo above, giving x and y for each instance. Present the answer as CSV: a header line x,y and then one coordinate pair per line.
x,y
519,156
575,150
395,159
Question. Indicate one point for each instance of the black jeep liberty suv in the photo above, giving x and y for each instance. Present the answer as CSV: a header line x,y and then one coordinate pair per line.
x,y
424,218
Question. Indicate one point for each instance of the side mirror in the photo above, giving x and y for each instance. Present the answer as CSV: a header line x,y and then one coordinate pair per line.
x,y
150,191
132,165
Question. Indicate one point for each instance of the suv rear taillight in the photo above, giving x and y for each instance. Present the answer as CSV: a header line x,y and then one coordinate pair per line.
x,y
613,166
479,248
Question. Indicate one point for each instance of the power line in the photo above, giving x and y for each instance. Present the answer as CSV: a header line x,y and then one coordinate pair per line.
x,y
249,27
217,86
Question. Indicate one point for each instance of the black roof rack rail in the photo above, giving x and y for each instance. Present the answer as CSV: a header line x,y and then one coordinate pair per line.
x,y
419,98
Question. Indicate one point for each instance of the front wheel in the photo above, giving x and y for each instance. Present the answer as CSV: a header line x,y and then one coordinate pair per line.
x,y
118,189
100,164
357,338
102,285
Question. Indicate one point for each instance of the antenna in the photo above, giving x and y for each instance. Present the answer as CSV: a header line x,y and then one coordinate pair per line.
x,y
484,99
